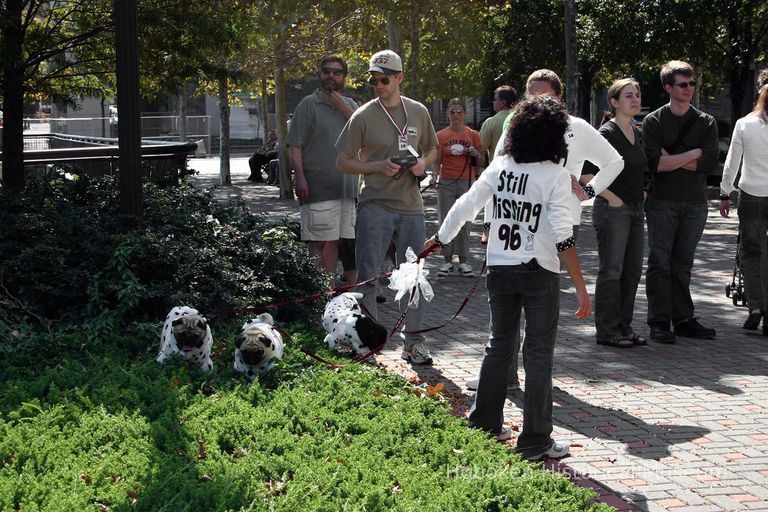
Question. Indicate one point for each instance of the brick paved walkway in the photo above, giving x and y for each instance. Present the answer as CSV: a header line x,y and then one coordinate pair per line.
x,y
678,427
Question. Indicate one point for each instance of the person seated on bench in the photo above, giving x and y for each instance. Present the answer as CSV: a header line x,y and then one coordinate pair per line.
x,y
260,159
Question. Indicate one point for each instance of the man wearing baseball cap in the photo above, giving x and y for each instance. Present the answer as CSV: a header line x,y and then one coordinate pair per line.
x,y
376,143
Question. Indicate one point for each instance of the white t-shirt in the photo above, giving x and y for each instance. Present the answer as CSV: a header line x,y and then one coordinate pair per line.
x,y
585,143
750,143
527,207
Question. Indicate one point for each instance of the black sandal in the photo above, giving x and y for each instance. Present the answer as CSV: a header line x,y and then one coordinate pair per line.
x,y
617,343
637,340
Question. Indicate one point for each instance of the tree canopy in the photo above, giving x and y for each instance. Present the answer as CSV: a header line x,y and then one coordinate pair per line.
x,y
63,49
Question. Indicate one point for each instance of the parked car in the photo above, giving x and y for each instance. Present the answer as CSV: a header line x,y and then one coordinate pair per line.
x,y
637,119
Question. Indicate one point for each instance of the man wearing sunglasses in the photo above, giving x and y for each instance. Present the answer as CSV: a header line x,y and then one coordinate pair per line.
x,y
682,148
390,208
326,198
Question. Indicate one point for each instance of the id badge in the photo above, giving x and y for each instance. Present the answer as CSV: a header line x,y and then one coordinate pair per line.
x,y
402,143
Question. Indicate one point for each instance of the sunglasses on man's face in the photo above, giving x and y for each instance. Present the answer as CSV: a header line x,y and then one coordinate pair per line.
x,y
333,71
455,112
375,81
685,85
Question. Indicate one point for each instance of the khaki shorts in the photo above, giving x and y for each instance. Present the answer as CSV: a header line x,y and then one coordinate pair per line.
x,y
328,220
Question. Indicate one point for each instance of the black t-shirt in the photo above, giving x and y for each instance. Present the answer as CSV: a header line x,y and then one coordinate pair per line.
x,y
628,185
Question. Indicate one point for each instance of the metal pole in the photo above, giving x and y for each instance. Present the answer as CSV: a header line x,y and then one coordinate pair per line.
x,y
128,127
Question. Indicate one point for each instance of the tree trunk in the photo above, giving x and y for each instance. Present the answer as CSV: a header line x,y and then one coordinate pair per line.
x,y
586,83
264,107
183,130
741,79
394,37
415,53
571,58
13,97
128,120
224,177
286,188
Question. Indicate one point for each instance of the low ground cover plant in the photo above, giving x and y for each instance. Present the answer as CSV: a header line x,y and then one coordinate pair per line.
x,y
89,421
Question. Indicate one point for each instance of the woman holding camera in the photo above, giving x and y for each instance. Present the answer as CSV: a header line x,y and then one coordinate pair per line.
x,y
461,153
619,222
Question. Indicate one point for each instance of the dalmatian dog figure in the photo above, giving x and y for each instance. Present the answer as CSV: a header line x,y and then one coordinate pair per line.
x,y
258,347
347,326
186,332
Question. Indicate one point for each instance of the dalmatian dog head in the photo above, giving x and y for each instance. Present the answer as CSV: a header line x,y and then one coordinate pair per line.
x,y
258,347
347,326
186,332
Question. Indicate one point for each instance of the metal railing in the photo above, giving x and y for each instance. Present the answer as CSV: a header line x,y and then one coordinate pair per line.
x,y
99,155
153,127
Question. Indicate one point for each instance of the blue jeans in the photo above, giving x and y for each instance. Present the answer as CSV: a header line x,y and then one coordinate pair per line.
x,y
620,232
674,231
375,228
513,378
448,191
753,229
511,289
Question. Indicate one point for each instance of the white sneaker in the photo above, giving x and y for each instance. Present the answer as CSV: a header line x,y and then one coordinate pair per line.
x,y
445,270
465,270
504,435
418,353
556,451
472,385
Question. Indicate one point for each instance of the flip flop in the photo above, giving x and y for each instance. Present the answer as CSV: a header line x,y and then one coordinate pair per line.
x,y
617,342
637,340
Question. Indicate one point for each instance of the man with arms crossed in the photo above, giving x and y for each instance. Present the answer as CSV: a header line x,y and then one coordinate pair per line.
x,y
327,198
681,144
390,207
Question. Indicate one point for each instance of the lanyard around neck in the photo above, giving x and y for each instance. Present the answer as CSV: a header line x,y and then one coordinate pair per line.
x,y
401,132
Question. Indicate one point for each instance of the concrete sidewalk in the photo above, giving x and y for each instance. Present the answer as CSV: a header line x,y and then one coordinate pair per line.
x,y
678,427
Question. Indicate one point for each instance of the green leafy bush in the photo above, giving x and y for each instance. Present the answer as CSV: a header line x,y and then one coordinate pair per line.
x,y
97,427
89,421
69,255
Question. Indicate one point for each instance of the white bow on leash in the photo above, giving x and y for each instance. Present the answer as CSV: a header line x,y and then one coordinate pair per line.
x,y
411,276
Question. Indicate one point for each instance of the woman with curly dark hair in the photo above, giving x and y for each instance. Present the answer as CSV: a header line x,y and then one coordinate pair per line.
x,y
530,226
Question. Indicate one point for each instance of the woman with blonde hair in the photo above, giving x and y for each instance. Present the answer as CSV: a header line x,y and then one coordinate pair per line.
x,y
619,222
749,148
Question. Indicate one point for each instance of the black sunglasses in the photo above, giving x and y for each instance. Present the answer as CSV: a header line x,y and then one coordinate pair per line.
x,y
685,85
333,71
375,81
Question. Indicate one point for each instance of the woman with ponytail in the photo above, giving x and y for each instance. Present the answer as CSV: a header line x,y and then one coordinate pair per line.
x,y
749,149
619,222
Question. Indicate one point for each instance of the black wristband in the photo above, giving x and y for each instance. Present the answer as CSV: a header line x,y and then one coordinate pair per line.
x,y
438,242
589,191
486,225
725,198
565,244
